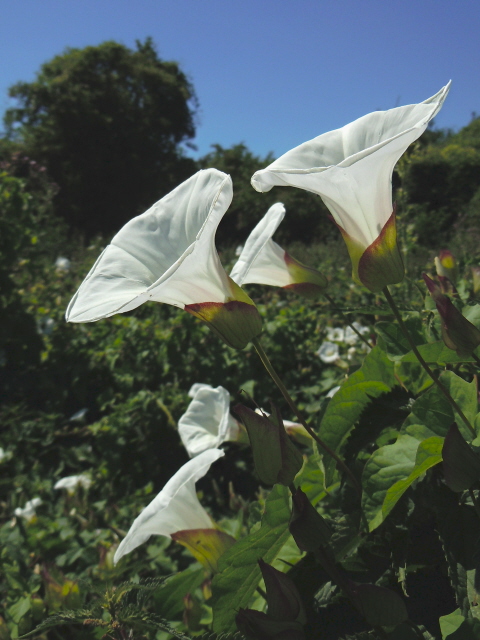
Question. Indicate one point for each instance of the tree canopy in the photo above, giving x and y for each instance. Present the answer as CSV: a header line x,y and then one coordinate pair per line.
x,y
108,122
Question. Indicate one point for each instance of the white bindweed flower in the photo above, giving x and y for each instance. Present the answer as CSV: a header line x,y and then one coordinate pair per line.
x,y
263,261
328,352
351,170
176,507
207,422
333,391
29,510
62,264
335,334
168,255
72,482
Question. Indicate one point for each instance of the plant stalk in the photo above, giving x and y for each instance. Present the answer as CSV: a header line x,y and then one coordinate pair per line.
x,y
273,374
347,320
432,375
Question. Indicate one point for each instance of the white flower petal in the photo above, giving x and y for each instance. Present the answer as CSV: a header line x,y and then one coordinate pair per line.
x,y
71,482
328,352
166,254
205,424
262,260
175,508
351,168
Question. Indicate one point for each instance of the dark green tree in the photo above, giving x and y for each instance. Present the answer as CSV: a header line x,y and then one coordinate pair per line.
x,y
306,218
108,122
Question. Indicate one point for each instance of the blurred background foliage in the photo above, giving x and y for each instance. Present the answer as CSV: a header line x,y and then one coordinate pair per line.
x,y
100,135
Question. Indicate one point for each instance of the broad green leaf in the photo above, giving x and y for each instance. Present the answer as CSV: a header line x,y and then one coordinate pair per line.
x,y
435,413
392,339
472,313
380,607
239,574
391,470
458,526
311,478
375,377
436,352
169,597
456,627
429,454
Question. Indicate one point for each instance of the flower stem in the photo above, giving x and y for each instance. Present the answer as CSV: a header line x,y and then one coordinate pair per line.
x,y
273,374
432,375
347,320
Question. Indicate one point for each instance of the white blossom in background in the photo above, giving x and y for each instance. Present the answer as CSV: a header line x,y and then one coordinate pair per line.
x,y
62,264
28,512
45,326
239,250
335,334
328,352
176,507
333,391
207,421
72,482
79,416
3,454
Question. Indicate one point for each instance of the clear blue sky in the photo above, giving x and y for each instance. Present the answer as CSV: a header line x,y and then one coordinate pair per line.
x,y
271,73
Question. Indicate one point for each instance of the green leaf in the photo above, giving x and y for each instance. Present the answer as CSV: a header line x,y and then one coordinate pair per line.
x,y
436,353
434,412
239,574
456,627
375,377
381,607
392,339
169,597
391,470
429,454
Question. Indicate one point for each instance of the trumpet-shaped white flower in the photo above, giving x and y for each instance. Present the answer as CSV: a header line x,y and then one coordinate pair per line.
x,y
263,261
176,507
328,352
335,334
168,255
62,264
29,510
207,422
72,482
351,170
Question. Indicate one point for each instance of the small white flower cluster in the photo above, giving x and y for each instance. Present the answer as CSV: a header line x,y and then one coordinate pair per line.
x,y
329,351
29,510
72,482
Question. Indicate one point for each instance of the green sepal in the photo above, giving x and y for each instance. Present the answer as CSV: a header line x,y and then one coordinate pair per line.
x,y
276,458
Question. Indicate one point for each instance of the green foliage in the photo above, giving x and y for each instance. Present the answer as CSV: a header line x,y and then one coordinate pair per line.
x,y
107,121
239,573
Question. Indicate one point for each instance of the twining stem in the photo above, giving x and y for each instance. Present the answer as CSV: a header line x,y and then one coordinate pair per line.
x,y
347,320
432,375
273,374
474,500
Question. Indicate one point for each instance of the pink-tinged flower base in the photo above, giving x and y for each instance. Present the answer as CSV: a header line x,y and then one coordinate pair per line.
x,y
235,322
380,264
206,545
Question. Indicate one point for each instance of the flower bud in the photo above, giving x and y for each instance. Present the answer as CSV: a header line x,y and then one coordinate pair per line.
x,y
461,465
446,265
192,613
284,601
307,526
276,458
476,279
458,333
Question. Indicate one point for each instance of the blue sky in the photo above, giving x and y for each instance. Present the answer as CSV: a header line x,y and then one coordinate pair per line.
x,y
271,73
